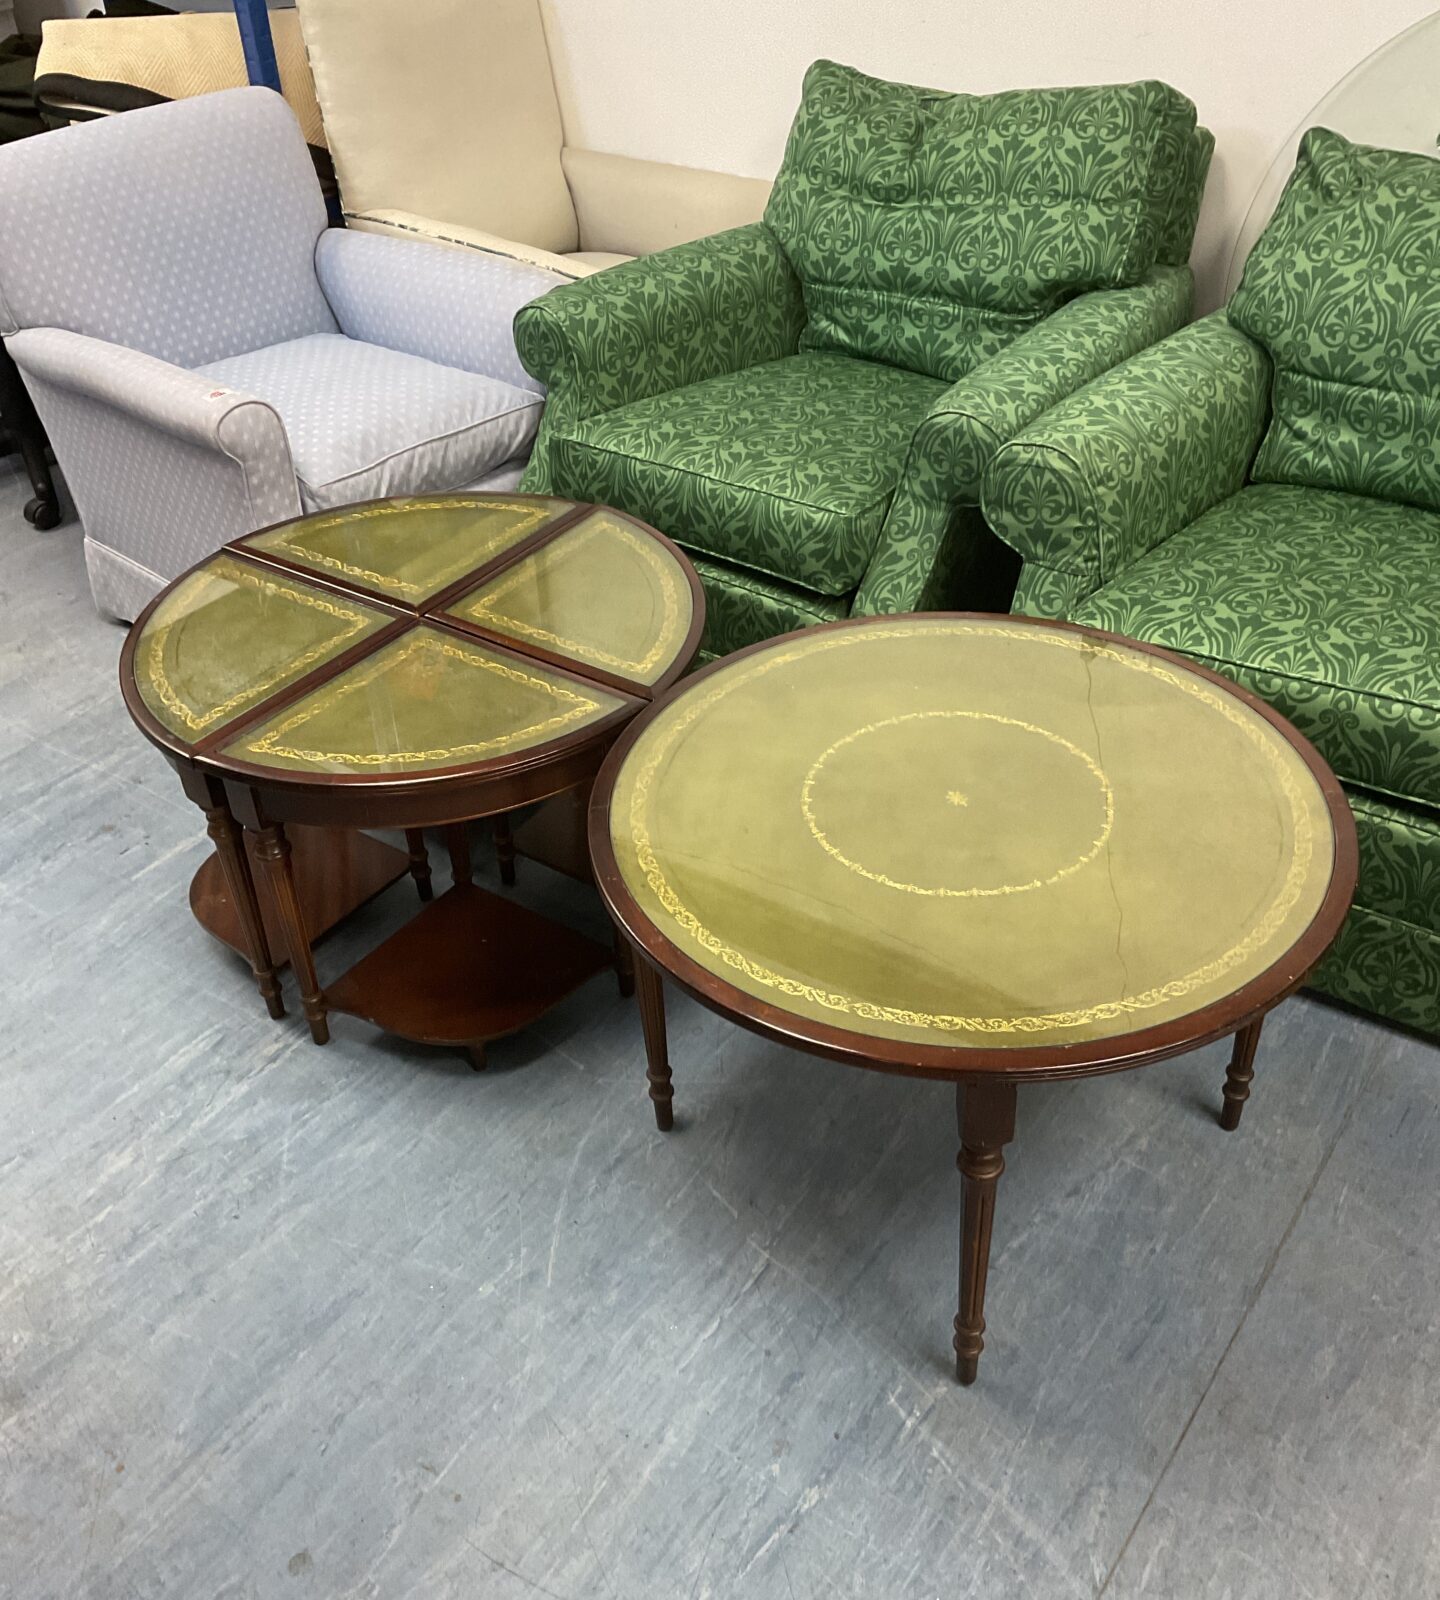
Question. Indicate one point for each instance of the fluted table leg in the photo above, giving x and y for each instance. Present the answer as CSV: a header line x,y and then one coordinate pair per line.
x,y
419,862
229,844
272,850
651,994
1239,1074
986,1116
505,850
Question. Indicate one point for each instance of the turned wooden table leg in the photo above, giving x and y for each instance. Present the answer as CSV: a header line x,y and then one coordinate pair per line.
x,y
986,1116
235,866
624,965
419,862
648,986
1238,1075
272,850
505,850
457,842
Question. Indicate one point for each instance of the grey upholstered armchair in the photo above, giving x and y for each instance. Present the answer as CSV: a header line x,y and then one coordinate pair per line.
x,y
208,357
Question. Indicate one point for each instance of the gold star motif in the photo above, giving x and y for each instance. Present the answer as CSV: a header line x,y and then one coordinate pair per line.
x,y
957,799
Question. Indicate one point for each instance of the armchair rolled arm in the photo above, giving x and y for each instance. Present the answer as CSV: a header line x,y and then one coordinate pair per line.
x,y
1130,459
187,405
969,423
454,307
658,323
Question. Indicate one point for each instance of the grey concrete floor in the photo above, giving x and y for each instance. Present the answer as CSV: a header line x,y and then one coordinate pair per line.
x,y
284,1321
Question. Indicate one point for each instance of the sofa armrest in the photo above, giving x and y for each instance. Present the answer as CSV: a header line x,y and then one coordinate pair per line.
x,y
634,208
453,307
1132,458
185,405
662,322
975,416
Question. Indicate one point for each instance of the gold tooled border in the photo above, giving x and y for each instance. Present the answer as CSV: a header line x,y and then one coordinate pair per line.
x,y
691,707
268,743
530,517
482,608
939,891
226,569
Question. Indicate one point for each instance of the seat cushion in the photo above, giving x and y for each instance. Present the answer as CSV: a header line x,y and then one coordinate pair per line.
x,y
1324,604
1343,290
365,422
786,468
930,229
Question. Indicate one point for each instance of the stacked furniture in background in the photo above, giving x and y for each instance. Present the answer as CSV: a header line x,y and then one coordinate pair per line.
x,y
1307,571
808,404
443,122
237,362
93,66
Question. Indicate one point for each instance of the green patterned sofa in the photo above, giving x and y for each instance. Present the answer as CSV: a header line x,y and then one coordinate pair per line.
x,y
808,404
1261,492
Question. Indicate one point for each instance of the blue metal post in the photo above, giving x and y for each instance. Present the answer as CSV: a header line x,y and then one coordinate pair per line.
x,y
253,17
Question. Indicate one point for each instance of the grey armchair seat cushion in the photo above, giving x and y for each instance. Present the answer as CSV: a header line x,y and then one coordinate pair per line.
x,y
364,422
208,357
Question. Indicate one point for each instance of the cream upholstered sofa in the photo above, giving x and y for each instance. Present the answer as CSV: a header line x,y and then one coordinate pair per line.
x,y
442,119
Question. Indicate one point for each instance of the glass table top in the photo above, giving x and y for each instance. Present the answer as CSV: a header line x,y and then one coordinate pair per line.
x,y
426,700
603,592
229,635
321,647
971,832
408,549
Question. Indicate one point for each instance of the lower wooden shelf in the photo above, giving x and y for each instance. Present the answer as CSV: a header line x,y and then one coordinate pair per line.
x,y
336,871
471,966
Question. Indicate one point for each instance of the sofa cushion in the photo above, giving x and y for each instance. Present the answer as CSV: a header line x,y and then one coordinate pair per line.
x,y
1324,604
364,421
1343,290
785,468
929,229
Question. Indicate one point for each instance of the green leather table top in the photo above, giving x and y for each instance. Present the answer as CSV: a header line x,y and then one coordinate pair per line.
x,y
971,832
561,619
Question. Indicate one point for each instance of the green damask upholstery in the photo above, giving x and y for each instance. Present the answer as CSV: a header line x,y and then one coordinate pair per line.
x,y
928,230
786,468
810,483
1343,291
1133,508
1326,605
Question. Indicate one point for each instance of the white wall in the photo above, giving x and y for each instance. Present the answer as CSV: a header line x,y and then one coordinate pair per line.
x,y
714,83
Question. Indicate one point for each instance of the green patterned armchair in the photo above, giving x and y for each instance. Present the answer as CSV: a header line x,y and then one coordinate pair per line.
x,y
807,405
1261,492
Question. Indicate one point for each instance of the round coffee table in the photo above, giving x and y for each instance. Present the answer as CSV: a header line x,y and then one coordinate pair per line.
x,y
980,849
406,664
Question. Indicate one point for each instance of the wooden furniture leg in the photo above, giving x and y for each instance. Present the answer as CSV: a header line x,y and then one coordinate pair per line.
x,y
272,850
505,850
648,986
1238,1075
986,1116
419,862
624,965
457,842
225,832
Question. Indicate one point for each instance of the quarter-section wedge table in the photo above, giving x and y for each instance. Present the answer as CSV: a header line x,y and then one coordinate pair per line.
x,y
977,849
404,664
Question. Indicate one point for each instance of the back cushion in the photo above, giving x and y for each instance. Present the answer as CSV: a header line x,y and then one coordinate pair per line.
x,y
1343,290
928,230
185,230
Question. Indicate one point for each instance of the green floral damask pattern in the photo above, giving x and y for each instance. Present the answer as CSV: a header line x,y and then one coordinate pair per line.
x,y
655,325
929,229
1343,290
1324,604
743,608
971,420
1127,461
786,468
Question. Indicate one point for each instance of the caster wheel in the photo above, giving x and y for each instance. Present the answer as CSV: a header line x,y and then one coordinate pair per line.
x,y
42,512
